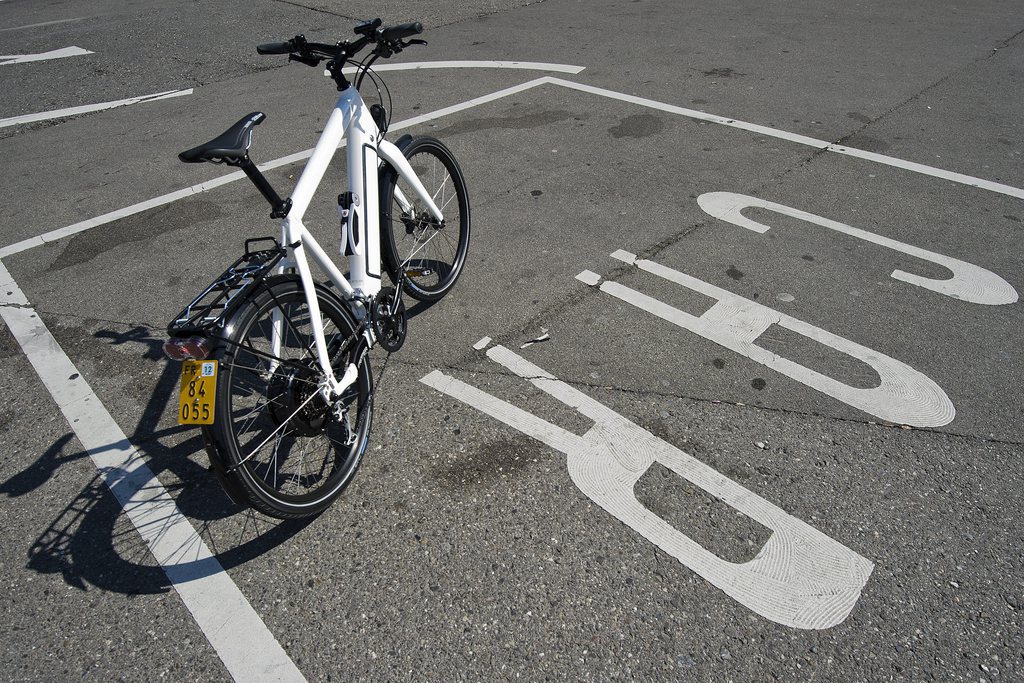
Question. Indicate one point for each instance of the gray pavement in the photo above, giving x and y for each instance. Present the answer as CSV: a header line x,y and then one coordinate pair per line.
x,y
464,549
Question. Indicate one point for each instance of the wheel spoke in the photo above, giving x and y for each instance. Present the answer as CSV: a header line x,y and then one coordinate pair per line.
x,y
414,240
288,451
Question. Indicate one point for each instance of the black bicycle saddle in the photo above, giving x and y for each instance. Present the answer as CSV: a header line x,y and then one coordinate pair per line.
x,y
231,145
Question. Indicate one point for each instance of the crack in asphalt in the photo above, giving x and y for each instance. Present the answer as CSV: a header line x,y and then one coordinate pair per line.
x,y
654,393
316,9
1002,44
895,108
889,112
442,25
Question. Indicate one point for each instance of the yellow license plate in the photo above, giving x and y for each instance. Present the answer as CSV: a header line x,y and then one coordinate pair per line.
x,y
198,392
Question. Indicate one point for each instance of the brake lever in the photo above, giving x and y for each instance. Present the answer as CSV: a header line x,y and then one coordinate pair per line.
x,y
308,60
399,45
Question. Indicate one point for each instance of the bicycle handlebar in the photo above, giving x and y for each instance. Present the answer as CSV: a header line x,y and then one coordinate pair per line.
x,y
395,33
388,40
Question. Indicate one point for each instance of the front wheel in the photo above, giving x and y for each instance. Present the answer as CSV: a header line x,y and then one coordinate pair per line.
x,y
282,446
425,254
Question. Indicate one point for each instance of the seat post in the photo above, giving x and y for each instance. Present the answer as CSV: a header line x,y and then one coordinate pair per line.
x,y
279,207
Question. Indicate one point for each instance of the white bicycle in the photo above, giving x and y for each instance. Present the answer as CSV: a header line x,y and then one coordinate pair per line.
x,y
275,363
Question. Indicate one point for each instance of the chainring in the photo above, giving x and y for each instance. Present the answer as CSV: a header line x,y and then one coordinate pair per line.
x,y
390,323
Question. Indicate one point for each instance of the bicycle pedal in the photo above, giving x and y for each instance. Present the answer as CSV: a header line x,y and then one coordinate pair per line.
x,y
419,272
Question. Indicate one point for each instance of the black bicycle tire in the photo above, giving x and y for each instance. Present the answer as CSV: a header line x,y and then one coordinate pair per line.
x,y
388,221
240,478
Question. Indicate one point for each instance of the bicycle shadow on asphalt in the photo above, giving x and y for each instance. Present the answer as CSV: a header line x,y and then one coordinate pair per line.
x,y
92,541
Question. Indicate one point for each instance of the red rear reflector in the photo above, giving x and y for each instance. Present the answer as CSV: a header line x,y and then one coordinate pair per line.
x,y
193,348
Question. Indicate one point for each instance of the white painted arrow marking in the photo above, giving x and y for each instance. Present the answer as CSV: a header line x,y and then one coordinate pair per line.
x,y
72,51
41,24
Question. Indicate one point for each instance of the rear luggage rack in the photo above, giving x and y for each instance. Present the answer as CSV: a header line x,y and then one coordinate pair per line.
x,y
210,311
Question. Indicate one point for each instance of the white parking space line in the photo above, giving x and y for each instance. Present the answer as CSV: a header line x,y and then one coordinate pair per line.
x,y
216,603
170,197
88,108
543,80
63,52
82,226
41,24
822,145
691,113
476,64
928,170
247,648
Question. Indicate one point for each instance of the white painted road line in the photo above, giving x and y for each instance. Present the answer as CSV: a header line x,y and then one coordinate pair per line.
x,y
88,108
543,80
691,113
928,170
469,104
477,64
72,51
41,24
822,145
82,226
243,642
170,197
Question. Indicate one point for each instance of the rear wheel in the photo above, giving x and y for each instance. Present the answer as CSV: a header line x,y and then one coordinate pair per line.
x,y
425,254
284,447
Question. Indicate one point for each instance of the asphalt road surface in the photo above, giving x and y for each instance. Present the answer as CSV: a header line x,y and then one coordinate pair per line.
x,y
782,444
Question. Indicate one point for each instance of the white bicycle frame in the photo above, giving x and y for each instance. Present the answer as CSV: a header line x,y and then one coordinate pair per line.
x,y
350,121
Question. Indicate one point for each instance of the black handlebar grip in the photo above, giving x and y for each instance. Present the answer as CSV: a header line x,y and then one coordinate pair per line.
x,y
365,28
275,48
402,31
